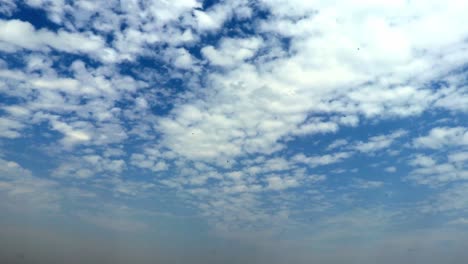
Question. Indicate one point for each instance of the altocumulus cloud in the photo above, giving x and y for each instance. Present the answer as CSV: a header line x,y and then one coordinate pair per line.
x,y
268,124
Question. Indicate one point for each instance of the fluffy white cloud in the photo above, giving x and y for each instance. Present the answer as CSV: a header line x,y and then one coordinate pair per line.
x,y
10,128
378,142
277,183
311,127
423,161
17,34
181,58
458,157
327,159
306,68
281,89
443,136
432,172
453,98
81,107
87,166
232,51
337,143
153,161
207,21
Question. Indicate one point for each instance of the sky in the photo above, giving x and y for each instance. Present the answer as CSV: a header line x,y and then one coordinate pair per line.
x,y
236,131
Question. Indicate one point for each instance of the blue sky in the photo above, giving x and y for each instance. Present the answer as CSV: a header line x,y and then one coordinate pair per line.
x,y
264,131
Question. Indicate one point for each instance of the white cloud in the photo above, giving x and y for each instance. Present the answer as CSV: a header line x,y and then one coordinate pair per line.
x,y
310,128
283,87
87,166
73,134
423,161
306,68
181,58
378,142
152,161
10,128
214,17
337,143
442,137
431,172
17,34
17,111
452,98
58,101
277,183
399,101
458,157
232,51
349,120
209,21
315,161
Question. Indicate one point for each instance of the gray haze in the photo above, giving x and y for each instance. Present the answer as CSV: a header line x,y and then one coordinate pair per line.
x,y
28,244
